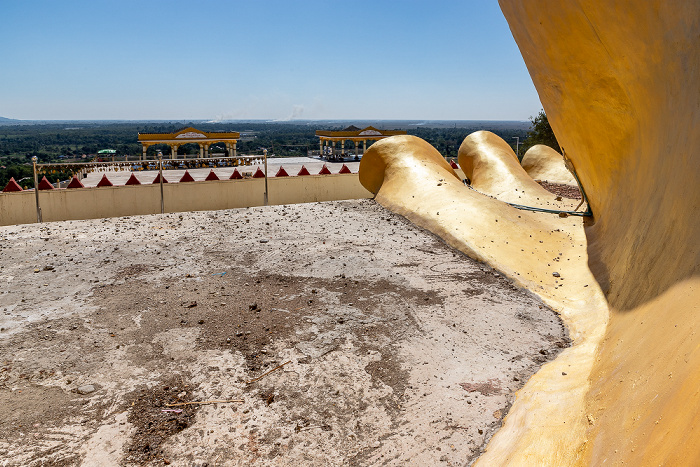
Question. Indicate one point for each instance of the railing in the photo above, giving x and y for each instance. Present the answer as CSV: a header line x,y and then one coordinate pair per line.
x,y
339,154
151,164
150,198
82,168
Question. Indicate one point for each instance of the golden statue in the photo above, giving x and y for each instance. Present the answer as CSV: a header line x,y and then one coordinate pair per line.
x,y
619,82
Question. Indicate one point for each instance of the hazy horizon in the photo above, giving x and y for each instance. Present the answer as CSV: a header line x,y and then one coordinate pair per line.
x,y
382,124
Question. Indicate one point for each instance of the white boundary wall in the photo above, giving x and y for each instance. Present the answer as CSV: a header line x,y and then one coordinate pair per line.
x,y
117,201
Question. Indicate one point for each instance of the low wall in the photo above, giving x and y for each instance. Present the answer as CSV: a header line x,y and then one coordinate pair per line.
x,y
116,201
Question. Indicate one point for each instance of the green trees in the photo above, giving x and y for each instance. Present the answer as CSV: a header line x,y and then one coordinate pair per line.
x,y
541,133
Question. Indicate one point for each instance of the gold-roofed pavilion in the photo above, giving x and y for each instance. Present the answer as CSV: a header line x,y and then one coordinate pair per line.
x,y
328,139
191,135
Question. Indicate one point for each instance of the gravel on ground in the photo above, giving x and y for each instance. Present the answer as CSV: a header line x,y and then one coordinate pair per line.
x,y
334,333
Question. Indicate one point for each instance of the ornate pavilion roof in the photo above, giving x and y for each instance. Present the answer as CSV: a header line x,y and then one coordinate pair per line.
x,y
354,132
189,134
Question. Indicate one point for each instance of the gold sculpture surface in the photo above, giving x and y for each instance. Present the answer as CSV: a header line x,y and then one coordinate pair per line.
x,y
619,82
544,163
493,168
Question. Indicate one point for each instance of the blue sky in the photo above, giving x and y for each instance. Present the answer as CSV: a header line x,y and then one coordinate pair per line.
x,y
261,59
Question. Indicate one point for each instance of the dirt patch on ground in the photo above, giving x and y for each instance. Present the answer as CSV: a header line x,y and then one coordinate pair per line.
x,y
559,189
374,343
157,413
34,406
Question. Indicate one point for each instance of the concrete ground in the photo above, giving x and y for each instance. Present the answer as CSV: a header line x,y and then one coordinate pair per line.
x,y
335,333
291,165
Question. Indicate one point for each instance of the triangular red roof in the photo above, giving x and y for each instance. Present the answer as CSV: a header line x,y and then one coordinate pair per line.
x,y
345,170
157,179
75,183
324,170
187,177
12,185
211,176
133,180
453,164
236,175
45,184
281,172
303,171
259,174
104,181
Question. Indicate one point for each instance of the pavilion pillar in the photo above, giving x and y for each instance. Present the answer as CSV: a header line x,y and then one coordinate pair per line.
x,y
235,151
206,150
342,147
143,154
357,148
320,148
173,151
201,150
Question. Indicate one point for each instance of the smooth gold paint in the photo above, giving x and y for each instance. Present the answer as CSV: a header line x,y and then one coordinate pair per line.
x,y
544,163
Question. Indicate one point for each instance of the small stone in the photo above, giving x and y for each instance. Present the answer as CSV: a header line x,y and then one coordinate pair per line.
x,y
556,274
87,389
376,444
264,240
